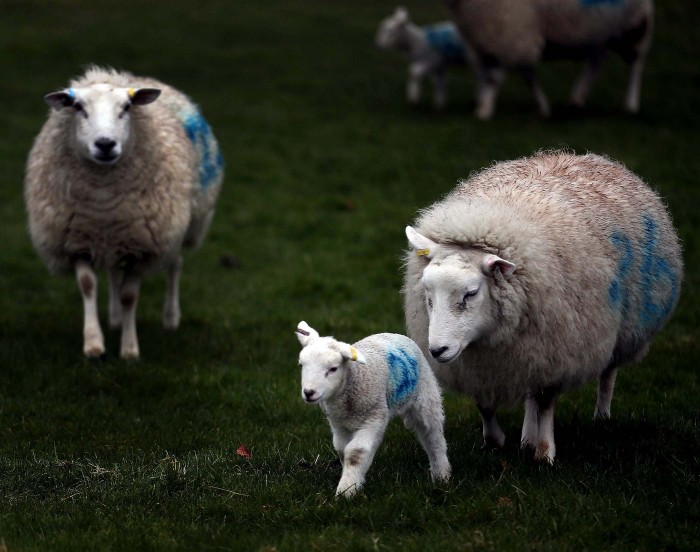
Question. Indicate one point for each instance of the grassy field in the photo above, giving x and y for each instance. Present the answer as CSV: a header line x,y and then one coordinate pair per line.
x,y
326,164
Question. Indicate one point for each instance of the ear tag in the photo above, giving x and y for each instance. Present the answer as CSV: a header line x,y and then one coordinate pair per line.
x,y
422,252
131,92
353,353
71,93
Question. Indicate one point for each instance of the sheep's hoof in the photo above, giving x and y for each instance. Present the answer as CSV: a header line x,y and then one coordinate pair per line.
x,y
601,414
171,318
347,492
544,452
130,353
94,350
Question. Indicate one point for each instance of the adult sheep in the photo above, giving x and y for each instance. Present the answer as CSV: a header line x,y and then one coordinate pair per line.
x,y
506,34
536,276
124,172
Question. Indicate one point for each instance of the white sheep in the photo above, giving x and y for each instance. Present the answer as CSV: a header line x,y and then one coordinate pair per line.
x,y
361,387
124,172
507,34
431,50
536,276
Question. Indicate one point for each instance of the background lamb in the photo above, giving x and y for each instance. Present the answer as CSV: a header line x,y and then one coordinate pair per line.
x,y
359,401
431,50
505,34
537,275
124,172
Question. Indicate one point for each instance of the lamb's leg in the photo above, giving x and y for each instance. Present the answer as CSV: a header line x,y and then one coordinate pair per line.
x,y
93,340
171,310
528,438
426,420
416,72
606,387
546,449
358,456
493,435
634,86
341,438
115,307
440,84
489,82
537,91
129,297
584,82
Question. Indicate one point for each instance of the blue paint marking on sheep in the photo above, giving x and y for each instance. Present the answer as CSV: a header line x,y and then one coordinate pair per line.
x,y
615,292
445,38
403,376
587,3
211,162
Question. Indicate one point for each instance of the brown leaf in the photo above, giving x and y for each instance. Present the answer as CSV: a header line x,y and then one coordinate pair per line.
x,y
243,451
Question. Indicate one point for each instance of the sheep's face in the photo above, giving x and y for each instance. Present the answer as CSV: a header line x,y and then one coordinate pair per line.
x,y
102,118
390,34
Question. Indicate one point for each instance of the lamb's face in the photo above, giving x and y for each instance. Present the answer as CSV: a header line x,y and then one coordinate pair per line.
x,y
102,119
322,370
391,30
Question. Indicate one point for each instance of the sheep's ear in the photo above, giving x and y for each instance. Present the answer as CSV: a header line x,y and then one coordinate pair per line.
x,y
59,100
143,96
349,352
401,14
490,263
424,247
305,333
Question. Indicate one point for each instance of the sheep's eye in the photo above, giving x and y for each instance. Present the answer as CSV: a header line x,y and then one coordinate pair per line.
x,y
331,370
471,293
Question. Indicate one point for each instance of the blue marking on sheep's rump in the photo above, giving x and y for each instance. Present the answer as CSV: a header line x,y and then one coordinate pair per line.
x,y
403,376
587,3
211,162
445,38
615,292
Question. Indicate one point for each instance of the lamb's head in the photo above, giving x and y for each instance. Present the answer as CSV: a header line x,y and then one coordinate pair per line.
x,y
392,30
457,288
323,362
101,118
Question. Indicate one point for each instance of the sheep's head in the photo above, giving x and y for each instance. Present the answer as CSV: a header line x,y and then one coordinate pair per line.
x,y
390,34
102,121
323,362
457,294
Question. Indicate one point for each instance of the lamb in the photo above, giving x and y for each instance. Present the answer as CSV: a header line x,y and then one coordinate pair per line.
x,y
508,34
118,181
394,379
536,276
431,49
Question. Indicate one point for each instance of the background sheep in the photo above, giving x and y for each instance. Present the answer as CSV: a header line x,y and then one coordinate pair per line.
x,y
124,173
359,401
505,34
431,50
536,276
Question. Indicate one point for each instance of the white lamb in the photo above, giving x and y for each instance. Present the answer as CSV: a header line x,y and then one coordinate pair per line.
x,y
124,172
361,386
431,49
507,34
536,276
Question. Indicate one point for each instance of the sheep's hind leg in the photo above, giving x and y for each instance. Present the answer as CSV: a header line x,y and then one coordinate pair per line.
x,y
634,87
528,437
115,307
489,84
416,73
427,424
606,386
584,82
171,310
93,339
493,435
537,91
546,449
440,86
129,296
358,456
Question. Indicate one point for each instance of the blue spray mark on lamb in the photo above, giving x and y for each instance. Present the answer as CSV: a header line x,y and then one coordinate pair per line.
x,y
587,3
199,132
403,376
445,38
616,294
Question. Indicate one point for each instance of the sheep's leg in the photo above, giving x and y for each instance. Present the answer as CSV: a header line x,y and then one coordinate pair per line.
x,y
171,310
528,438
606,387
493,435
634,86
584,82
537,91
129,296
546,449
341,438
440,84
358,456
93,339
427,423
416,72
115,308
489,83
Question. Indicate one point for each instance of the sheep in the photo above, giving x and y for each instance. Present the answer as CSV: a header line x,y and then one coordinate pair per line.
x,y
536,276
394,379
431,49
118,181
507,34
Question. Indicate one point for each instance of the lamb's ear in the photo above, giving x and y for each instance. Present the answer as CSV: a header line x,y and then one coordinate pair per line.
x,y
349,352
424,247
59,100
490,263
401,14
143,96
305,333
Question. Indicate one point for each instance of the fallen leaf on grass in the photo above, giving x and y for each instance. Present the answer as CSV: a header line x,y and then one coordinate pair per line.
x,y
243,451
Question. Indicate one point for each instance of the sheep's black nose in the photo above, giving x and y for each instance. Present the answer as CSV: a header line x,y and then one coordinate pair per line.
x,y
105,145
309,393
438,352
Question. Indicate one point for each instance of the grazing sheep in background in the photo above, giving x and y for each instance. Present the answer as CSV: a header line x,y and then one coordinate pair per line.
x,y
394,379
124,173
536,276
431,49
506,34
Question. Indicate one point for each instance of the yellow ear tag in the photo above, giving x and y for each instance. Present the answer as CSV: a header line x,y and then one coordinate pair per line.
x,y
422,252
131,92
353,352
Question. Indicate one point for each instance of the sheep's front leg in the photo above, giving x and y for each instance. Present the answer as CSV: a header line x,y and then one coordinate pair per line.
x,y
606,386
129,296
528,437
546,400
171,310
358,456
115,307
489,82
93,339
583,84
493,435
416,72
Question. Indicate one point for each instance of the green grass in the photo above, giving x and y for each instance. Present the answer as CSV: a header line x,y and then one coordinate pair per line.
x,y
325,166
